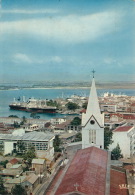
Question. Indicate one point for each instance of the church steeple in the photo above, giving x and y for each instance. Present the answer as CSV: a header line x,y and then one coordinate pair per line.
x,y
92,121
93,106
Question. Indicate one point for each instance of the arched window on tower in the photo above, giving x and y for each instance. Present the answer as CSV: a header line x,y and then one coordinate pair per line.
x,y
92,136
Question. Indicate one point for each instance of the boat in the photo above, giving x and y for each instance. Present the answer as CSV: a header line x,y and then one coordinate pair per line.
x,y
32,105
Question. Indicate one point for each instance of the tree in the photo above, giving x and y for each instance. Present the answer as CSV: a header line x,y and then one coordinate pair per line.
x,y
76,121
72,106
14,116
85,105
3,190
24,120
16,124
34,115
57,143
78,137
52,103
20,146
18,189
29,155
107,138
3,163
116,153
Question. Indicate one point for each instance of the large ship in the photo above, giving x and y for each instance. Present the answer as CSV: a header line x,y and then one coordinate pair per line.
x,y
32,105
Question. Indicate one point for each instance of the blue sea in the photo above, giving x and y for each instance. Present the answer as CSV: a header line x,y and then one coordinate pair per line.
x,y
7,96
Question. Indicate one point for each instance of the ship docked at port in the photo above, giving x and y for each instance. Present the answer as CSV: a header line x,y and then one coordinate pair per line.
x,y
32,105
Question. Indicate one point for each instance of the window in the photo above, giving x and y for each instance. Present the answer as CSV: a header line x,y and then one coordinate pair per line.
x,y
92,136
92,122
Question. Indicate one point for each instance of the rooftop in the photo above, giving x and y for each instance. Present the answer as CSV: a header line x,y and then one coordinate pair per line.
x,y
87,170
117,178
123,128
32,136
13,161
38,161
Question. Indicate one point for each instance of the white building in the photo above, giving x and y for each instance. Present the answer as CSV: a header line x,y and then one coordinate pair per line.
x,y
57,121
123,136
93,122
108,107
43,142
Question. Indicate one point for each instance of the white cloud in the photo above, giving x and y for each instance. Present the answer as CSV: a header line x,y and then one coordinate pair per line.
x,y
21,11
68,29
20,57
56,59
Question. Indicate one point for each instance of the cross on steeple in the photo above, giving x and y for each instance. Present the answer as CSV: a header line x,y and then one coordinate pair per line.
x,y
93,71
76,186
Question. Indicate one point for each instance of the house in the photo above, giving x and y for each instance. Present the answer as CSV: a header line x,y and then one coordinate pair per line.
x,y
108,107
67,137
11,163
12,173
39,165
61,128
122,135
57,121
30,182
10,183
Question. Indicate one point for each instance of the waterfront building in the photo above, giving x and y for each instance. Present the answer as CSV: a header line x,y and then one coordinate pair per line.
x,y
93,122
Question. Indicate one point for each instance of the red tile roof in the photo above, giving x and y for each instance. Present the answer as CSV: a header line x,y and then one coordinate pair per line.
x,y
123,128
13,161
88,170
129,116
117,178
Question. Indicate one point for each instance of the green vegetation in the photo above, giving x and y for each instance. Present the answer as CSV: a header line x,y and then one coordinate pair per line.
x,y
14,116
16,124
85,105
24,120
116,153
76,121
34,115
52,103
72,106
57,143
3,190
3,163
20,147
78,137
107,138
18,189
29,155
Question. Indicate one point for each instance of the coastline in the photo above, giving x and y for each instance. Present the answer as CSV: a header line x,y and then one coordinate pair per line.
x,y
79,85
72,87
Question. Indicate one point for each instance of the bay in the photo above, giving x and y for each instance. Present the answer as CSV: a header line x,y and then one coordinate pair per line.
x,y
7,96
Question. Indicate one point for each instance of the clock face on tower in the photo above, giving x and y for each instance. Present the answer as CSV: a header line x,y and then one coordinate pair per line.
x,y
92,122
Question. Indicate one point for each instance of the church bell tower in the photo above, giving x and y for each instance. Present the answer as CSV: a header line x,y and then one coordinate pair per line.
x,y
93,121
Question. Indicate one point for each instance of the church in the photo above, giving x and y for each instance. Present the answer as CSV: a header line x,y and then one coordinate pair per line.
x,y
89,172
93,122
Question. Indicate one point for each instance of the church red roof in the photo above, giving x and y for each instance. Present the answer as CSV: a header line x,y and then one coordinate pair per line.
x,y
88,171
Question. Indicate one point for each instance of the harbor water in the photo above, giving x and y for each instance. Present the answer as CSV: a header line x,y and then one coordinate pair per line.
x,y
7,96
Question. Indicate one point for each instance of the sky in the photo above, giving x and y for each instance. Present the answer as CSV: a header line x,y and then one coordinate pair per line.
x,y
64,40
